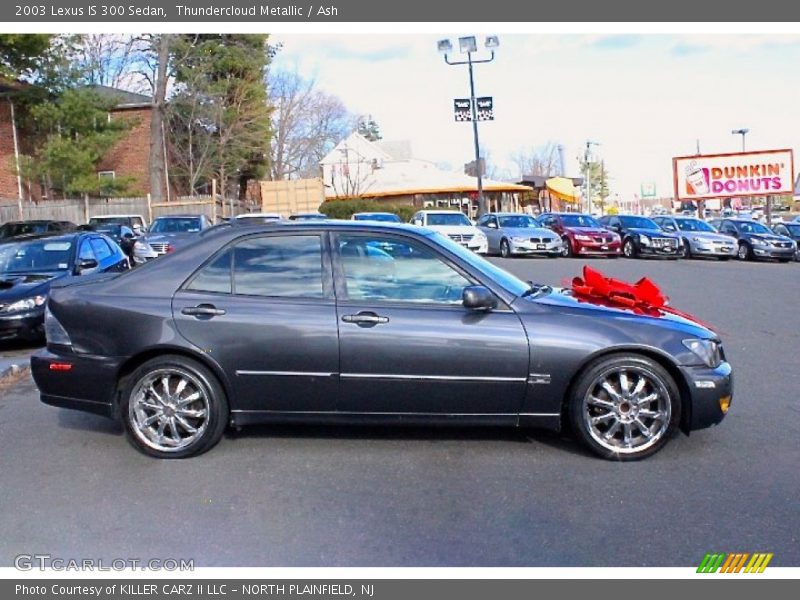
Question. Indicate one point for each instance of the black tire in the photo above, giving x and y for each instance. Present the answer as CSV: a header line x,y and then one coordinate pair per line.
x,y
687,250
724,258
745,252
629,249
505,249
581,410
784,260
567,251
200,378
552,256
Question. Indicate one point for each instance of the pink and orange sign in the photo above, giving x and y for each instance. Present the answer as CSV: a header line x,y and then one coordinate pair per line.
x,y
768,172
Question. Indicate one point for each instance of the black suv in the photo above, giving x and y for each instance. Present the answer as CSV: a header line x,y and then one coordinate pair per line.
x,y
643,237
17,228
757,240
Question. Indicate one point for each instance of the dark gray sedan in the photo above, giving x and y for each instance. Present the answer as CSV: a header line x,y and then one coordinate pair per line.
x,y
348,322
167,234
516,234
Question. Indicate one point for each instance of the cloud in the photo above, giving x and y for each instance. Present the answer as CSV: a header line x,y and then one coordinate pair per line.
x,y
615,42
740,43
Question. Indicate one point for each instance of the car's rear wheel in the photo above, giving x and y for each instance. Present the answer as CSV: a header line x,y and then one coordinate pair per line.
x,y
624,407
173,407
505,249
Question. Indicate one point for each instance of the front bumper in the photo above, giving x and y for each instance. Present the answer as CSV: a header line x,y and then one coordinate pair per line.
x,y
711,249
773,252
707,388
28,325
658,250
528,247
482,248
601,249
89,385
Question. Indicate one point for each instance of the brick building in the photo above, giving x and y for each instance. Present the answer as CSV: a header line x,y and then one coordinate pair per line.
x,y
128,158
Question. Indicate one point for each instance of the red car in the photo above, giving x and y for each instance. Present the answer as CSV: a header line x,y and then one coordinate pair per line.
x,y
583,235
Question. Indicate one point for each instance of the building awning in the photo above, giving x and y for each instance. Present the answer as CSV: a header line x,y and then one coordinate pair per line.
x,y
563,189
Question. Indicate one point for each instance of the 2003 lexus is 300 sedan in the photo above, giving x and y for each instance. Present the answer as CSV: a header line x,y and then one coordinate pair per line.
x,y
350,322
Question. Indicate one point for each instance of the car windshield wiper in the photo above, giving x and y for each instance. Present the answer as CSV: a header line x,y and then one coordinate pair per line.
x,y
536,289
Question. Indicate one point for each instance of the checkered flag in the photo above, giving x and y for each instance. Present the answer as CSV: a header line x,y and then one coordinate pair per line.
x,y
485,108
462,110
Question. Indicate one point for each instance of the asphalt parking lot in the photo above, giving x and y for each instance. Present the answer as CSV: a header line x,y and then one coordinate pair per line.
x,y
70,485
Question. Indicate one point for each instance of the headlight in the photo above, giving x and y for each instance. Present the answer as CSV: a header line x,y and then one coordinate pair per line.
x,y
519,240
644,240
25,304
54,331
142,247
583,238
709,351
480,237
759,242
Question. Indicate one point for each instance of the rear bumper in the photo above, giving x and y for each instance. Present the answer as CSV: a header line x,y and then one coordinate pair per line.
x,y
706,388
25,326
89,384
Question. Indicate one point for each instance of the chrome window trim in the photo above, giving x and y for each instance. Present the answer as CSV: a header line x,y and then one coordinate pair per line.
x,y
431,377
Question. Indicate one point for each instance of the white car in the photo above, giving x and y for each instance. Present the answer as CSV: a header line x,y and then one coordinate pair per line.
x,y
456,226
258,217
135,222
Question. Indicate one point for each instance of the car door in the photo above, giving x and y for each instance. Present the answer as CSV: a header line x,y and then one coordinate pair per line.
x,y
490,228
407,344
108,257
263,309
86,256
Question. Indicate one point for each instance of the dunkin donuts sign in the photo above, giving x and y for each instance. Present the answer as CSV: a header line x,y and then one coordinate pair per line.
x,y
728,175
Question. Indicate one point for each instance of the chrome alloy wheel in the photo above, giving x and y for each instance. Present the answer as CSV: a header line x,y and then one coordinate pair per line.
x,y
169,409
627,409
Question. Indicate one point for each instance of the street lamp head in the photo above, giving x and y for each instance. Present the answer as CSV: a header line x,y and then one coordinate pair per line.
x,y
742,131
444,46
492,42
468,44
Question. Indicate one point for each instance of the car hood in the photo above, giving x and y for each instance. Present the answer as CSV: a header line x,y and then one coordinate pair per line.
x,y
708,236
15,286
527,232
176,239
564,298
454,229
589,230
768,237
651,232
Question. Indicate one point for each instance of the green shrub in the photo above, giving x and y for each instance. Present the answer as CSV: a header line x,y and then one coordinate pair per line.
x,y
344,209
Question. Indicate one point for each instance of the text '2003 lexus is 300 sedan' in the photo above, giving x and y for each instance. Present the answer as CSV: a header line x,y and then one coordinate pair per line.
x,y
349,322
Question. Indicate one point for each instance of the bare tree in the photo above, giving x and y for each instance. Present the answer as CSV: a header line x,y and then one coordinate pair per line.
x,y
537,160
306,123
112,60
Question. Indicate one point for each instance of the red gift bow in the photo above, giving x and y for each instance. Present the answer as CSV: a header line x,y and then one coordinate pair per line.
x,y
643,297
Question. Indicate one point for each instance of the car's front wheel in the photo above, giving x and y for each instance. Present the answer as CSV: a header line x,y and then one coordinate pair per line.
x,y
629,248
624,407
173,407
744,252
505,249
566,248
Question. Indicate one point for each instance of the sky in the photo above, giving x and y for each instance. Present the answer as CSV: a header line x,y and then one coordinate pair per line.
x,y
643,98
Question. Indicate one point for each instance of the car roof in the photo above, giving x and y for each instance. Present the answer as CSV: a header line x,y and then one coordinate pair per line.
x,y
374,212
119,216
181,216
53,235
565,214
510,214
328,224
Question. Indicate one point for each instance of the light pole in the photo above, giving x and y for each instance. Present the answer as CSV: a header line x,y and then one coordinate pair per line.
x,y
469,45
742,132
587,155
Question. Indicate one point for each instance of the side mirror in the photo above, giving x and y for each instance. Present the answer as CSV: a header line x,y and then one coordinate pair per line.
x,y
128,235
85,265
492,225
478,297
418,222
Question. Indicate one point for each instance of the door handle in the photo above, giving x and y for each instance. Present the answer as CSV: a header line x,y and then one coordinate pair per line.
x,y
203,310
365,318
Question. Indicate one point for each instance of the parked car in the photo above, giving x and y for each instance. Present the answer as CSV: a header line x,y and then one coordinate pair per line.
x,y
582,234
715,222
308,217
385,217
167,234
17,228
643,237
121,234
250,326
514,234
135,222
455,225
29,265
755,240
251,218
699,238
790,230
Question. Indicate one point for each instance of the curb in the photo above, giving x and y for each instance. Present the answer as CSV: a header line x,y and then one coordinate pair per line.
x,y
11,371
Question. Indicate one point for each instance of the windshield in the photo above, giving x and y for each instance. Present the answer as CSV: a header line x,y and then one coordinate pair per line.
x,y
385,217
518,221
504,278
176,225
453,218
638,223
793,229
753,227
107,221
15,229
579,221
35,256
694,225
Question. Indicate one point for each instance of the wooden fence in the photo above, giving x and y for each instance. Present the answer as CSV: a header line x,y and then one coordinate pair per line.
x,y
80,210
